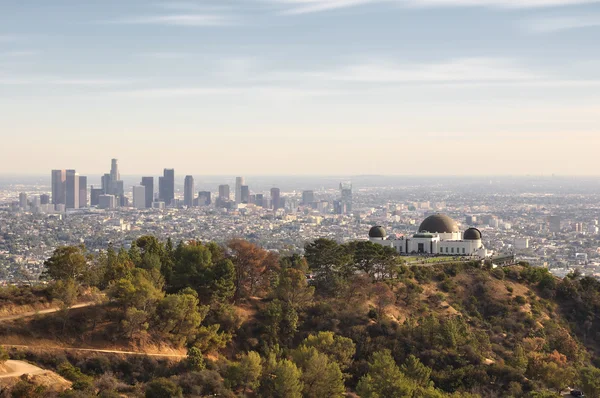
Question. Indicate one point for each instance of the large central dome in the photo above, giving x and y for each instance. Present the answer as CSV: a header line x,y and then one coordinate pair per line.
x,y
439,224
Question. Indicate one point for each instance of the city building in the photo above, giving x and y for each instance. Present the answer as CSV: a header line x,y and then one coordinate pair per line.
x,y
204,198
83,192
275,198
107,202
44,199
166,186
224,192
554,224
148,184
23,201
72,189
345,203
95,196
239,182
245,194
59,191
188,191
139,197
308,197
437,235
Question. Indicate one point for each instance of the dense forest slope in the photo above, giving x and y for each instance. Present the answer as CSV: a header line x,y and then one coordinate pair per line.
x,y
251,323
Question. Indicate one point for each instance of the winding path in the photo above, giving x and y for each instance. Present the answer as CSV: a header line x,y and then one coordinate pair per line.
x,y
19,368
95,350
41,312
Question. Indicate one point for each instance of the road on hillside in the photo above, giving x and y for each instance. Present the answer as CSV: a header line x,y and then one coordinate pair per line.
x,y
19,368
94,350
41,312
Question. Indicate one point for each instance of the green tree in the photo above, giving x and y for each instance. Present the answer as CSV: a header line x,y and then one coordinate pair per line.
x,y
245,373
590,381
179,315
321,376
195,359
137,291
281,379
338,348
135,323
417,371
66,262
385,379
163,388
331,264
292,288
223,283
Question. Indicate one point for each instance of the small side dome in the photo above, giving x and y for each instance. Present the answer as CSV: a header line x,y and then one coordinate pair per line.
x,y
377,232
472,234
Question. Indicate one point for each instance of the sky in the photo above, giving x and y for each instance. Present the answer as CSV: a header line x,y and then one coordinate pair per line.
x,y
301,87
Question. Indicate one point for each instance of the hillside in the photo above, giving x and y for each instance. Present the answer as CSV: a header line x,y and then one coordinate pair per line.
x,y
367,324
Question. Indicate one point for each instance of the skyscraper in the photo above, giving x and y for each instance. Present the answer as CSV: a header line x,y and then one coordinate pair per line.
x,y
148,183
188,191
308,197
95,196
44,199
139,197
346,200
239,181
23,201
114,170
72,187
83,192
204,198
168,186
59,191
106,184
275,198
224,192
245,194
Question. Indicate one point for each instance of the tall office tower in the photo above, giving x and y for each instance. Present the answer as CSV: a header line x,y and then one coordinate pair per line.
x,y
224,192
106,184
114,170
107,202
554,222
168,186
161,189
308,197
346,200
239,181
148,183
259,200
23,201
95,196
83,192
72,186
204,198
139,197
275,198
244,194
44,199
188,191
59,191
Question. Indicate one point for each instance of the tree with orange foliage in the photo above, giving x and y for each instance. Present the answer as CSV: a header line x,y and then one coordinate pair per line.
x,y
254,267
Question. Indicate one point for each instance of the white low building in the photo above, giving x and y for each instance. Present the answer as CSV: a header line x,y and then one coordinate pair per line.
x,y
437,235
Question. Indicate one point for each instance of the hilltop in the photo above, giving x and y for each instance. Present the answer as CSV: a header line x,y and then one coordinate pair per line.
x,y
366,324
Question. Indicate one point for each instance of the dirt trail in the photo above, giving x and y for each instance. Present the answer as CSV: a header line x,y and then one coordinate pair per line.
x,y
96,350
47,311
19,368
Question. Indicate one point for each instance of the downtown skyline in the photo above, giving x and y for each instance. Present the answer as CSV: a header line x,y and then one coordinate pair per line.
x,y
302,87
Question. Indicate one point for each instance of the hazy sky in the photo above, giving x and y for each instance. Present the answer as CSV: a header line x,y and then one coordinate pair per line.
x,y
301,86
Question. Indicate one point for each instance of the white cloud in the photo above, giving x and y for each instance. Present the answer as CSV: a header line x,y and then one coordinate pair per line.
x,y
179,20
312,6
256,92
17,54
555,24
9,80
456,70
